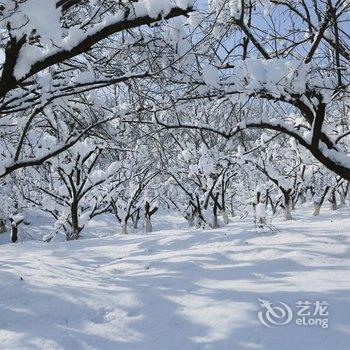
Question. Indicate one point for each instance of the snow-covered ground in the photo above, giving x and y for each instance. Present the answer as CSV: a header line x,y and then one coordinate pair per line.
x,y
178,289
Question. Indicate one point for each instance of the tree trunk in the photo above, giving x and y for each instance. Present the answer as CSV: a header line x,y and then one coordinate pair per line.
x,y
14,232
295,199
190,221
223,207
302,197
342,199
124,228
14,229
232,213
215,223
148,224
199,221
2,226
75,222
287,206
318,204
148,214
225,217
317,208
273,206
262,221
333,200
136,219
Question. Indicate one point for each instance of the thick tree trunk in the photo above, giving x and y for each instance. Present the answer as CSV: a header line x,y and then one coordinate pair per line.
x,y
148,214
317,208
223,207
215,223
14,229
287,206
333,200
75,222
232,212
318,204
124,228
225,217
136,219
2,226
14,232
273,206
148,224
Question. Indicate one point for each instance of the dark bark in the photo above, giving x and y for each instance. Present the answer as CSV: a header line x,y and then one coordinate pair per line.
x,y
333,199
2,226
148,214
14,229
318,203
287,205
215,223
75,229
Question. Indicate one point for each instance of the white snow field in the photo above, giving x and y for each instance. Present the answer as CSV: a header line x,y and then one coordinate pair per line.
x,y
179,289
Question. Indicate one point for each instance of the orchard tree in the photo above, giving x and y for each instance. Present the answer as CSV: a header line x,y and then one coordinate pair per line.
x,y
74,187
